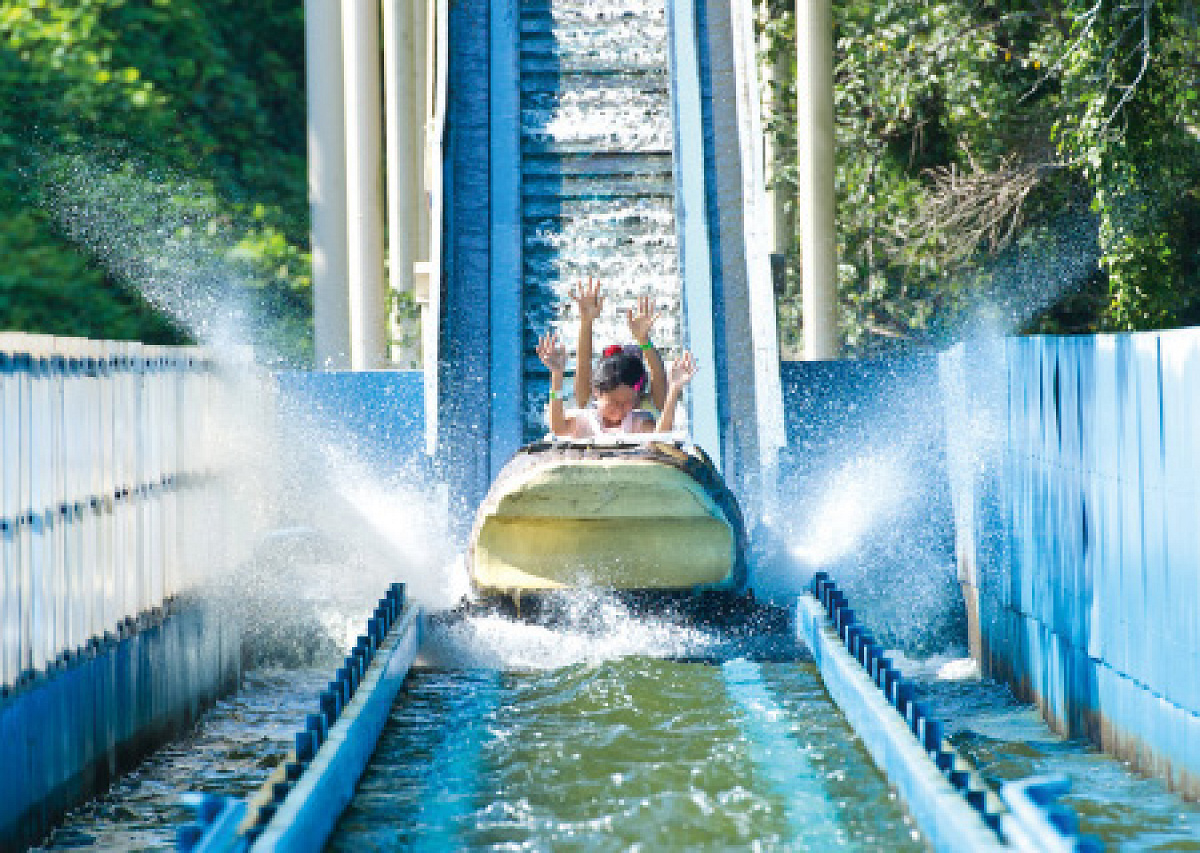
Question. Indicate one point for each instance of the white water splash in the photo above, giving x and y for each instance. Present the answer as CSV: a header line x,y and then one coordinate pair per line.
x,y
866,494
870,504
327,532
593,628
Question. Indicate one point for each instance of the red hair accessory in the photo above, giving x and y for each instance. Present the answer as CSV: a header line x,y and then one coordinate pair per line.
x,y
613,349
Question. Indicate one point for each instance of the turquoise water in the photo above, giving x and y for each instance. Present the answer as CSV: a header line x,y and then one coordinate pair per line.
x,y
616,732
633,753
1007,739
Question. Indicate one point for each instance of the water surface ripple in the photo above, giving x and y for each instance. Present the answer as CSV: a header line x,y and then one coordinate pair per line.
x,y
230,752
1008,740
626,754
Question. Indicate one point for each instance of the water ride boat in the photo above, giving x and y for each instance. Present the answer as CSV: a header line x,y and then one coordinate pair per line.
x,y
623,516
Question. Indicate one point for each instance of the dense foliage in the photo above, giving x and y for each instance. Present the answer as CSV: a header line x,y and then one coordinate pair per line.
x,y
136,131
1035,165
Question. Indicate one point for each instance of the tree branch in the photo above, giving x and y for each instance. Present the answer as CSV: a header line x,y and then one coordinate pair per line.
x,y
967,211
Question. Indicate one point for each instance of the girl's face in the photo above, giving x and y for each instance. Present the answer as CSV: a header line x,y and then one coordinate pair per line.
x,y
614,405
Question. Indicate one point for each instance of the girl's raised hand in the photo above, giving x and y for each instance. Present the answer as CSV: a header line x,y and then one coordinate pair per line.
x,y
683,370
642,321
552,353
588,298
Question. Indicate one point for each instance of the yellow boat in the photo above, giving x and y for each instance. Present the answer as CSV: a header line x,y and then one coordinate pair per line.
x,y
614,516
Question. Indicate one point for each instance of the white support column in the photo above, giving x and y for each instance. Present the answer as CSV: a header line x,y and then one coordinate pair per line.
x,y
814,36
327,182
368,311
423,56
429,278
399,88
775,74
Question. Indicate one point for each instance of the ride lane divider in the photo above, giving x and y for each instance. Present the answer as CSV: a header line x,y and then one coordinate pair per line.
x,y
1031,813
298,806
944,818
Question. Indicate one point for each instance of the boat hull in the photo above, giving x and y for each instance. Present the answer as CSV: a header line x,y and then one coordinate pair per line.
x,y
647,516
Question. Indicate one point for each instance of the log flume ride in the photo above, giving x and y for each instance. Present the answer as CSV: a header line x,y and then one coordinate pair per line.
x,y
649,517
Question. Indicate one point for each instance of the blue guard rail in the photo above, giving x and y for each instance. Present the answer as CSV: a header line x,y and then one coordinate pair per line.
x,y
1025,816
298,806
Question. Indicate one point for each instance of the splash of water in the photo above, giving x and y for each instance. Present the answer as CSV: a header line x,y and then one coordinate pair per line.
x,y
867,493
326,531
873,507
592,627
165,236
868,501
345,531
1042,268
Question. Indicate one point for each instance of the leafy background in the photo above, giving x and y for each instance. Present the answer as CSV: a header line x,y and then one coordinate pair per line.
x,y
199,99
1033,166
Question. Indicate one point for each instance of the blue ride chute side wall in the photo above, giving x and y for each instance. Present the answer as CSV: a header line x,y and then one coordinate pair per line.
x,y
1075,471
114,515
464,384
69,733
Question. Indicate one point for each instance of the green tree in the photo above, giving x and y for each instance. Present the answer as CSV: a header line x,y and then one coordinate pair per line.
x,y
972,140
202,102
1131,86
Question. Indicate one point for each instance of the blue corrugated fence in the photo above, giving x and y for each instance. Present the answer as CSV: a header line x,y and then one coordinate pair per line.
x,y
1079,529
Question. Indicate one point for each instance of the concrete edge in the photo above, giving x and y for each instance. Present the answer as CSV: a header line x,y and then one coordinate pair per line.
x,y
1079,695
308,815
946,820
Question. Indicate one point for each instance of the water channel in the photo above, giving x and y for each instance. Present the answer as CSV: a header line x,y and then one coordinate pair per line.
x,y
619,732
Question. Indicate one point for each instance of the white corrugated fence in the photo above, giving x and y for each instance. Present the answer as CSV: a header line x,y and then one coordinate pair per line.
x,y
110,499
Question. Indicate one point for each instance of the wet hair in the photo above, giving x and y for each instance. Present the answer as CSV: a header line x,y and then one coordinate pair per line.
x,y
621,368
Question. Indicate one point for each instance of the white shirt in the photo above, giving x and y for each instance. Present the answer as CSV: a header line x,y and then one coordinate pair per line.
x,y
588,423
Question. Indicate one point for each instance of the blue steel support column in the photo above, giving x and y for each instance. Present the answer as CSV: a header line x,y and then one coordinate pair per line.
x,y
506,305
692,225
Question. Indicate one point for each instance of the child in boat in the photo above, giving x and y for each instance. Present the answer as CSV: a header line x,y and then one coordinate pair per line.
x,y
641,320
618,384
